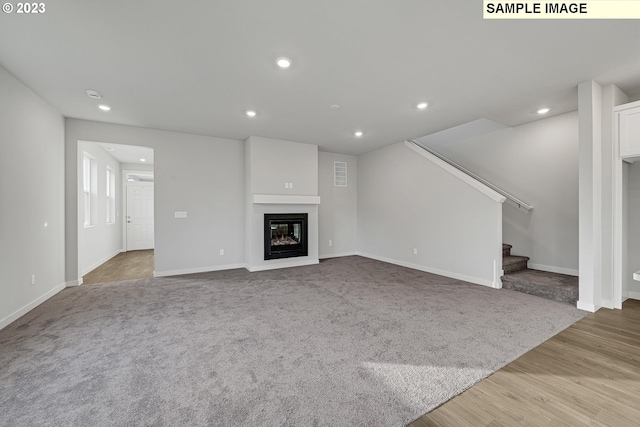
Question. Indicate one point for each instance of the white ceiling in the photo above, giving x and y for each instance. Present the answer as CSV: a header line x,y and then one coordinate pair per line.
x,y
197,66
131,154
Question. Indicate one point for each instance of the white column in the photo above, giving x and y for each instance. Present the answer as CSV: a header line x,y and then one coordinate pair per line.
x,y
590,195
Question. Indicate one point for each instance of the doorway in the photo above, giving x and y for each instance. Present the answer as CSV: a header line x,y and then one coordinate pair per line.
x,y
139,211
114,181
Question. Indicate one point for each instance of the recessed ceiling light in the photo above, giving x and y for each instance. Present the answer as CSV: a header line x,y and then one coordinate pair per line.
x,y
335,106
358,133
104,107
94,94
110,149
251,113
283,62
543,110
143,160
422,105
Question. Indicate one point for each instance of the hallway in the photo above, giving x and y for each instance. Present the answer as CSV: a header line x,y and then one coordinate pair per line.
x,y
124,266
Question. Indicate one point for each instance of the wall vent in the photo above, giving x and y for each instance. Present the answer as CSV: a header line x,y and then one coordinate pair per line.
x,y
340,174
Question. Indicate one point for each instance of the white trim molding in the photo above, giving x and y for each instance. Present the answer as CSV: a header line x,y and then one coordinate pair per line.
x,y
30,306
102,261
591,308
492,194
496,284
74,283
633,295
282,265
338,255
196,270
283,199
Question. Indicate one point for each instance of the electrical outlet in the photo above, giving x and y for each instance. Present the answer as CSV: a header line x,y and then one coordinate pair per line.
x,y
180,214
330,242
221,251
415,251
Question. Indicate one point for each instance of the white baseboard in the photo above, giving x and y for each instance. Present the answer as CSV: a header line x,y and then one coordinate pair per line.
x,y
280,265
99,263
633,295
587,307
607,303
74,283
338,255
196,270
476,280
552,269
33,304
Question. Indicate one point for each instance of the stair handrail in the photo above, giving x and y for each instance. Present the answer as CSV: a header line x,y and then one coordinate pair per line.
x,y
513,199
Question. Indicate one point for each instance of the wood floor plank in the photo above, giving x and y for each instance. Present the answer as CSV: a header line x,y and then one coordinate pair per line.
x,y
124,266
588,375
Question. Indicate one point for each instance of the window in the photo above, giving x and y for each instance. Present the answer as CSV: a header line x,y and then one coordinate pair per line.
x,y
111,196
89,189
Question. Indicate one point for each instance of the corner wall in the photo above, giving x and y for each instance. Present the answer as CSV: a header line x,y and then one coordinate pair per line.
x,y
538,163
338,212
406,202
203,176
32,194
102,241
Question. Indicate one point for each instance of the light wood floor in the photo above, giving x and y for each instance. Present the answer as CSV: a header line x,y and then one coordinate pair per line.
x,y
124,266
588,375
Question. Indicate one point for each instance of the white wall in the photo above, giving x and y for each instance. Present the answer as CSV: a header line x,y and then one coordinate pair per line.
x,y
338,212
201,175
538,163
31,199
101,241
275,163
406,202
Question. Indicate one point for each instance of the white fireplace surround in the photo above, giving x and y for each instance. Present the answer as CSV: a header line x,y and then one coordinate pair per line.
x,y
255,250
291,187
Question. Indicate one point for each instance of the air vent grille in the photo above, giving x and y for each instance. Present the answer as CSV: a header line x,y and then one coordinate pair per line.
x,y
340,174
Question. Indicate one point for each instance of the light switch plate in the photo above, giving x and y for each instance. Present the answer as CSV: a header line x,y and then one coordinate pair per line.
x,y
180,214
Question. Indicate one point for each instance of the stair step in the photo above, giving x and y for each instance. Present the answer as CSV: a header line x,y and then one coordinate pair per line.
x,y
513,263
553,286
506,249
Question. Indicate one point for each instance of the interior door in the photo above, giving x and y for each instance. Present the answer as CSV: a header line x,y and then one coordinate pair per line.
x,y
140,217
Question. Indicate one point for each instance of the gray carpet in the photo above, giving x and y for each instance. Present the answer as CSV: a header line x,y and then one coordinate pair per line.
x,y
558,287
348,342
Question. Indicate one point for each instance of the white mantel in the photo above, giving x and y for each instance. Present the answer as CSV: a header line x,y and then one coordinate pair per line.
x,y
277,199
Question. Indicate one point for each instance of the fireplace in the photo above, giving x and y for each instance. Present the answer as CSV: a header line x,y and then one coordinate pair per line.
x,y
285,235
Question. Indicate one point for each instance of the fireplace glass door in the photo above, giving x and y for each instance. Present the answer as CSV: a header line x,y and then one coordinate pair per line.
x,y
285,235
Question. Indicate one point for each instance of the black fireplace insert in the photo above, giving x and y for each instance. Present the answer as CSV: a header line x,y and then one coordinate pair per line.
x,y
285,235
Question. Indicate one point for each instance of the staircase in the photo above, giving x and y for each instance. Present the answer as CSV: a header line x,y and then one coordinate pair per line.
x,y
553,286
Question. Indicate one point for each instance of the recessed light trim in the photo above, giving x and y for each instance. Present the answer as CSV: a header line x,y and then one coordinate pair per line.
x,y
335,106
93,94
544,110
283,62
143,160
251,113
358,133
109,148
104,107
422,105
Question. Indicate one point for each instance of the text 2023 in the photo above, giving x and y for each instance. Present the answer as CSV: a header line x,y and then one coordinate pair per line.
x,y
30,8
